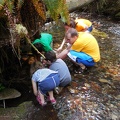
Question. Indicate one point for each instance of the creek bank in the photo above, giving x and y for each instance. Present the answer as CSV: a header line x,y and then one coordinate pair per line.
x,y
93,95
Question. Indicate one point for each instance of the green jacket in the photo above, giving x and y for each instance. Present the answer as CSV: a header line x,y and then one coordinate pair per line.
x,y
46,40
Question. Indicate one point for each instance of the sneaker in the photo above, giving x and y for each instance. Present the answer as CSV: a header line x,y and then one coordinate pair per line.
x,y
53,101
39,100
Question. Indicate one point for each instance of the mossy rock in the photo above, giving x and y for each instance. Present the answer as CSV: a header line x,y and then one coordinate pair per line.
x,y
15,113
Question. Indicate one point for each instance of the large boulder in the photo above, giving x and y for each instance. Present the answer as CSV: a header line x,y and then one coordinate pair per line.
x,y
107,7
76,4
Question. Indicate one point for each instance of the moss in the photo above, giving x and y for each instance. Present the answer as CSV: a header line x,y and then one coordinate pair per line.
x,y
15,113
22,109
98,33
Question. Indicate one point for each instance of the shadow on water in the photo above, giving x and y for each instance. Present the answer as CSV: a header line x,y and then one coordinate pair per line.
x,y
93,95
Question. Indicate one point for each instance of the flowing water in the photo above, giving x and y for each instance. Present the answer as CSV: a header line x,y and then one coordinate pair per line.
x,y
95,94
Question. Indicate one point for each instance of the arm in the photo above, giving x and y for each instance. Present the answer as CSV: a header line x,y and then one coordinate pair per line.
x,y
61,46
64,53
34,85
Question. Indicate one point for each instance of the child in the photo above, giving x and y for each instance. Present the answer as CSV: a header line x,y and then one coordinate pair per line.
x,y
44,80
43,42
60,66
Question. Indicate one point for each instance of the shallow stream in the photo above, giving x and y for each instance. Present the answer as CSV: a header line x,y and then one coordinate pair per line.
x,y
94,95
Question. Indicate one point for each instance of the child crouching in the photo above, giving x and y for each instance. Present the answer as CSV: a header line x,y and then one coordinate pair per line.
x,y
45,80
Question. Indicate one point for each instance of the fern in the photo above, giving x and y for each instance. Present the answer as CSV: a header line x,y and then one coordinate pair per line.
x,y
2,2
19,3
10,5
57,8
64,12
39,6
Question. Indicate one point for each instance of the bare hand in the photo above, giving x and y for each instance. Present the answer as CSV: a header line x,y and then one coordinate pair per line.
x,y
59,49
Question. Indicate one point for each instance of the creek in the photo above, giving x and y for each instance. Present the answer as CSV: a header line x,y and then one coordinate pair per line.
x,y
93,95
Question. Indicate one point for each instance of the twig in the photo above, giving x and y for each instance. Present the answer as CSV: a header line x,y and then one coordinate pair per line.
x,y
34,47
